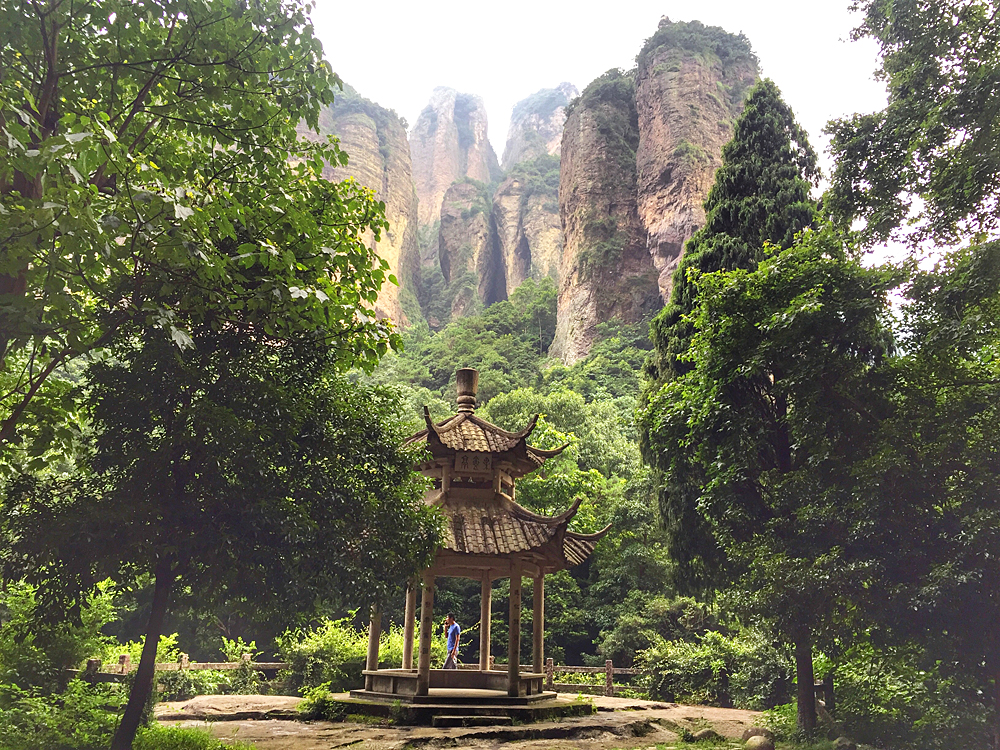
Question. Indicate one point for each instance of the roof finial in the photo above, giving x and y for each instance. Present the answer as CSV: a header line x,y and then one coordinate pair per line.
x,y
467,383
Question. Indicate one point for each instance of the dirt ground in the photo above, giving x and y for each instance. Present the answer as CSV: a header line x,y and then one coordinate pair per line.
x,y
618,723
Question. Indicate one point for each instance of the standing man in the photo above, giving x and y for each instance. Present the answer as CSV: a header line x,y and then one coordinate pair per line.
x,y
454,632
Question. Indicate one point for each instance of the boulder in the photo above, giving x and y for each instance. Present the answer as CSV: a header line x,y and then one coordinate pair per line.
x,y
844,743
757,732
759,742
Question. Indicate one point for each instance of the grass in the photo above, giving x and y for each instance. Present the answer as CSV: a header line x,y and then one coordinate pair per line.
x,y
178,738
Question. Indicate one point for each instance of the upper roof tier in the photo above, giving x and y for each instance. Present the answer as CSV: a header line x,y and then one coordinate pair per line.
x,y
484,524
467,432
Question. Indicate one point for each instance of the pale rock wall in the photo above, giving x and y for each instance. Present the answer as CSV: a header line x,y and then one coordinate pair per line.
x,y
536,124
379,158
686,105
467,251
528,231
636,170
606,270
448,142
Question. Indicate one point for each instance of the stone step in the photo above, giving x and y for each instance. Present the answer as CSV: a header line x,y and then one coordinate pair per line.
x,y
440,722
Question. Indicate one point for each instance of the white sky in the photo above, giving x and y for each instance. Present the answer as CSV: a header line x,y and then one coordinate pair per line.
x,y
395,53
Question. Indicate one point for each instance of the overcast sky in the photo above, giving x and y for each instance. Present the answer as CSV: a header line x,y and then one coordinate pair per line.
x,y
397,52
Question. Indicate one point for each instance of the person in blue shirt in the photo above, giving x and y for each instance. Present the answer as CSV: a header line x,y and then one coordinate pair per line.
x,y
454,632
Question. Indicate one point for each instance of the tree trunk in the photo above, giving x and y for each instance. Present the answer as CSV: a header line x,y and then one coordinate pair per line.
x,y
805,680
143,683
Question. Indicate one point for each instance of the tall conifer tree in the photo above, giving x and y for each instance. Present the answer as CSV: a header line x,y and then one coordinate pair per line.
x,y
761,194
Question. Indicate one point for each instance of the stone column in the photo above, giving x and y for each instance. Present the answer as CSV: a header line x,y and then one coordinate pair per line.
x,y
485,612
374,631
408,618
538,624
514,634
426,633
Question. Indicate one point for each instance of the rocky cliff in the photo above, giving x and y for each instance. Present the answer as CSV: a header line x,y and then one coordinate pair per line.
x,y
449,142
691,81
375,140
467,250
639,155
526,221
536,125
606,272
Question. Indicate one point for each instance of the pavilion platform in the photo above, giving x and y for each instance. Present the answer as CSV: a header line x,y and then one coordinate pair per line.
x,y
452,686
462,707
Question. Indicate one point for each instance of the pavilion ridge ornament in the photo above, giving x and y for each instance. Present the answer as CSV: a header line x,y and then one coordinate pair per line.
x,y
474,465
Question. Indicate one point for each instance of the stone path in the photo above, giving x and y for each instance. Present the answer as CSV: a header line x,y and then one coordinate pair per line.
x,y
618,723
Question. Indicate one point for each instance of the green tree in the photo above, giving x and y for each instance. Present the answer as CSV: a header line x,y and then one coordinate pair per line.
x,y
762,434
760,195
932,512
246,471
938,139
151,174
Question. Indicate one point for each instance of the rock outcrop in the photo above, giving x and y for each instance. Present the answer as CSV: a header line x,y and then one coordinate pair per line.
x,y
606,270
449,142
526,220
639,155
691,81
374,139
536,125
467,250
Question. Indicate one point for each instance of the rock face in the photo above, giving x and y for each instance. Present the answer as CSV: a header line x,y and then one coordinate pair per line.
x,y
639,155
526,218
375,140
536,124
489,241
467,250
449,142
606,271
687,98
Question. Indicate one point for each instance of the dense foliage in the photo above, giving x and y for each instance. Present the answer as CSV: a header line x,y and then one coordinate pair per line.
x,y
695,37
931,158
146,179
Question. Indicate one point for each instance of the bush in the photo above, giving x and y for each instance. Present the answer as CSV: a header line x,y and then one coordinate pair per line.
x,y
334,654
745,671
83,717
318,703
892,699
166,650
34,654
185,684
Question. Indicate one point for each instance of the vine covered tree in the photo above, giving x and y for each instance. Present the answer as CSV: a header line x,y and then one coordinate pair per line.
x,y
151,174
760,195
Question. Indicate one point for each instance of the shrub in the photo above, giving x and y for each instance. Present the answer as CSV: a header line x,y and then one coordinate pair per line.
x,y
33,653
318,703
185,684
745,671
334,654
166,650
83,717
894,699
